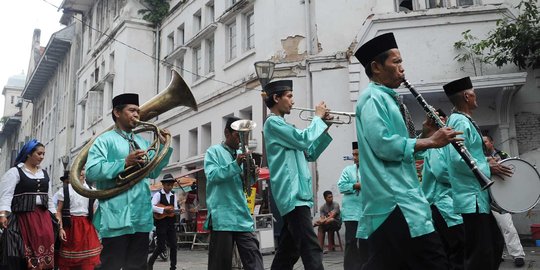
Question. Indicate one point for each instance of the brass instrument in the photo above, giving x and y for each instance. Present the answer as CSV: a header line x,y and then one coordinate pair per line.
x,y
249,175
176,94
336,119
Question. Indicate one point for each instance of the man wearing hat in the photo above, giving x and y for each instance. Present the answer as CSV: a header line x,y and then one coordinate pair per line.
x,y
164,204
288,150
483,239
356,252
123,221
438,191
229,217
396,217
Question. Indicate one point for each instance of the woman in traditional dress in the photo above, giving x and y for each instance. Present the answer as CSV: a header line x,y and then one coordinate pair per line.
x,y
80,247
25,212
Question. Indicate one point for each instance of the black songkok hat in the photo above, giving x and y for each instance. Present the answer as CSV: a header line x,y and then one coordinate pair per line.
x,y
457,86
128,98
354,145
231,120
278,86
168,178
377,45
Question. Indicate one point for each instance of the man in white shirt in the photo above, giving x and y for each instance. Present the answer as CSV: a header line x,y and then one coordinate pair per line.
x,y
164,205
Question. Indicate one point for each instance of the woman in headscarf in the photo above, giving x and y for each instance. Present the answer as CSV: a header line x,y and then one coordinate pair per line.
x,y
25,202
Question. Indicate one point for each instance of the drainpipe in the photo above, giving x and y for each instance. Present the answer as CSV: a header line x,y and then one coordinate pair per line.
x,y
158,57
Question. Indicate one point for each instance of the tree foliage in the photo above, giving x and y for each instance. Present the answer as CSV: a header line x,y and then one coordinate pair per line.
x,y
472,51
155,11
514,40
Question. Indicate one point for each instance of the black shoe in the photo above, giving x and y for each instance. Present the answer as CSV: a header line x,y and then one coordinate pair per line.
x,y
519,262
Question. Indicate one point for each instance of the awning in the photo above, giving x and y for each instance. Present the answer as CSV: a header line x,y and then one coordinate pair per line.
x,y
264,173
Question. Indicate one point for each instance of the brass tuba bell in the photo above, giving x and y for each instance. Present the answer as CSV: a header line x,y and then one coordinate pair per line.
x,y
176,94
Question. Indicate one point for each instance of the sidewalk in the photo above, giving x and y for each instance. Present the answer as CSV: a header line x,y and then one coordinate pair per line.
x,y
197,260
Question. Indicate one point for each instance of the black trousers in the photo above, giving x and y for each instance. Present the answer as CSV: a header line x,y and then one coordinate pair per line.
x,y
356,250
221,248
484,242
453,239
392,247
166,233
126,252
298,239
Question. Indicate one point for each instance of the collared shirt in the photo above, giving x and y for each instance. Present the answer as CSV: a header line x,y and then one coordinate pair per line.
x,y
130,211
466,190
351,205
171,198
436,184
225,199
78,204
288,150
387,164
9,181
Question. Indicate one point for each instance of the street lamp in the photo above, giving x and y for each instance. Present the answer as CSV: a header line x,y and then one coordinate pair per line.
x,y
265,72
65,161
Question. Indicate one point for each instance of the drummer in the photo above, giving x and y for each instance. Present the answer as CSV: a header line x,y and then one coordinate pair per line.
x,y
483,239
511,237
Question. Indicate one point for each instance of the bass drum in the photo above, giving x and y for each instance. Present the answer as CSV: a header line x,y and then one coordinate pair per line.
x,y
517,193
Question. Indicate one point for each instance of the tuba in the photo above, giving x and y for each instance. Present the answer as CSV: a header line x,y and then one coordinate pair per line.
x,y
176,94
249,174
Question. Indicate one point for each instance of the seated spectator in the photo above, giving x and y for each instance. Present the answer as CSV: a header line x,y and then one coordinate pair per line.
x,y
330,220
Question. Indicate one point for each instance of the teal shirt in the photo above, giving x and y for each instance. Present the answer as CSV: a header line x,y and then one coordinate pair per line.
x,y
288,150
465,188
225,199
130,211
351,205
436,184
387,164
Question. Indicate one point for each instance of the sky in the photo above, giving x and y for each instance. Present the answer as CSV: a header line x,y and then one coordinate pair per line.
x,y
18,19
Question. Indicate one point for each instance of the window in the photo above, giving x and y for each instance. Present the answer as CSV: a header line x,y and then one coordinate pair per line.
x,y
197,60
111,63
210,55
250,32
210,13
170,43
465,2
193,142
206,136
82,118
435,3
231,41
180,66
180,35
12,99
197,22
232,2
95,105
176,148
168,74
110,93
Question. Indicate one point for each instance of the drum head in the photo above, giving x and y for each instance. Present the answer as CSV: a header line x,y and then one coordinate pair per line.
x,y
518,193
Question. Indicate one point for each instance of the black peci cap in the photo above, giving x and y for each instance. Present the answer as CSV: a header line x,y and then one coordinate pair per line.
x,y
278,86
377,45
354,145
128,98
457,86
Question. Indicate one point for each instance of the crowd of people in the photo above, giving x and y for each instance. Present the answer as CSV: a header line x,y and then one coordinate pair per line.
x,y
392,220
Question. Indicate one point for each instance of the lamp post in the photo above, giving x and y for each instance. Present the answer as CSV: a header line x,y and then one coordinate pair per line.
x,y
265,72
65,162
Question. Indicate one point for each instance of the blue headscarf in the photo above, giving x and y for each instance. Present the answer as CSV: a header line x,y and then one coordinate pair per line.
x,y
26,150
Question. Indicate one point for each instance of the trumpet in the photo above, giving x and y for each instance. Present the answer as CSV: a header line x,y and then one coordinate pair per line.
x,y
336,114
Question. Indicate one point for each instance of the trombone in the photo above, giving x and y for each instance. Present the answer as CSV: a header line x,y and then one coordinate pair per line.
x,y
349,116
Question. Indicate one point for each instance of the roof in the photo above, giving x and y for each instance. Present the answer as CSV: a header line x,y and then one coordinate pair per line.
x,y
16,81
77,5
54,53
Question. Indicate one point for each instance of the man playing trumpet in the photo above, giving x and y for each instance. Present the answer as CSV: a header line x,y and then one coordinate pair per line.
x,y
288,150
229,217
123,221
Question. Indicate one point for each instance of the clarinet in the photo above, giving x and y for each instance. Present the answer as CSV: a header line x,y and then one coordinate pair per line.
x,y
460,148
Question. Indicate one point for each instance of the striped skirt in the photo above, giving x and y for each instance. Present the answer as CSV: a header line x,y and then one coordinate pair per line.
x,y
82,246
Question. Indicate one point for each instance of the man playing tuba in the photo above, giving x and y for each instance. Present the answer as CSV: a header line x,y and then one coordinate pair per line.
x,y
125,220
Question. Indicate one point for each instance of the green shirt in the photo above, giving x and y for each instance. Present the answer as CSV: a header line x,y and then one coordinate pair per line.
x,y
466,190
351,205
225,199
436,184
130,211
288,150
387,164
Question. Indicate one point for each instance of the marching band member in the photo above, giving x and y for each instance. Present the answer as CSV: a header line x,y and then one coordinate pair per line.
x,y
80,247
349,185
229,218
123,221
288,151
164,203
438,191
396,219
483,239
